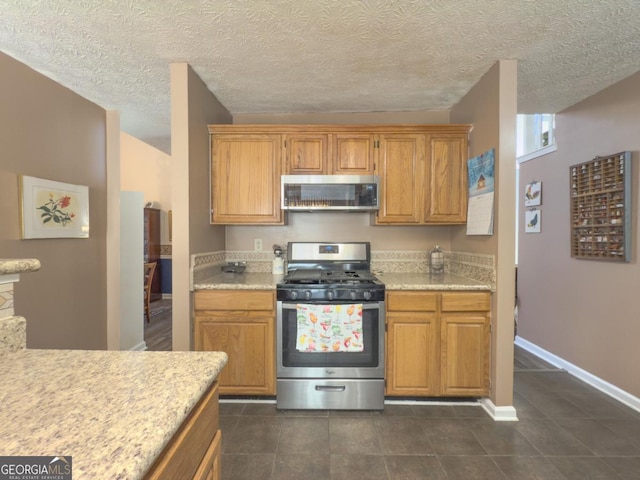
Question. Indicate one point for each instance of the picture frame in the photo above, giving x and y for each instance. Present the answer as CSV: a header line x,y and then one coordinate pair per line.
x,y
532,220
533,194
50,209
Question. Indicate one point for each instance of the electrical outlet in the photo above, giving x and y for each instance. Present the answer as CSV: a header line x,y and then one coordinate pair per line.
x,y
257,244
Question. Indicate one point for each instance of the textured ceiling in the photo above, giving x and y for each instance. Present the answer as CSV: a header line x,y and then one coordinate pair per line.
x,y
287,56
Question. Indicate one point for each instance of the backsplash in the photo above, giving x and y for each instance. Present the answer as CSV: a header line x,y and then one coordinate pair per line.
x,y
479,267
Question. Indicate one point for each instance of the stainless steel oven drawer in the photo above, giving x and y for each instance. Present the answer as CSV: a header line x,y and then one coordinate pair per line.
x,y
319,394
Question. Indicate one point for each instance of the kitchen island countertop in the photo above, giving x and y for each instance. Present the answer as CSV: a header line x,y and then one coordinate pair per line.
x,y
112,411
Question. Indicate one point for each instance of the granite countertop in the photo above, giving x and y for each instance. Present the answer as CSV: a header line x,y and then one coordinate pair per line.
x,y
239,281
426,281
113,412
18,265
392,281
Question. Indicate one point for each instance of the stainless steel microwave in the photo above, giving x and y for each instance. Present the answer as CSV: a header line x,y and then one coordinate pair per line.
x,y
352,193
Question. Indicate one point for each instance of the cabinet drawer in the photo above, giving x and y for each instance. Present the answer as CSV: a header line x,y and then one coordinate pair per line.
x,y
412,301
185,451
234,300
466,302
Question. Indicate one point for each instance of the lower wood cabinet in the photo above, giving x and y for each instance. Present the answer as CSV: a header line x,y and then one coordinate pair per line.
x,y
437,343
242,324
412,363
465,340
194,451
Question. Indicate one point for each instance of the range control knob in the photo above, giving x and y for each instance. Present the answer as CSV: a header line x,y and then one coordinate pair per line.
x,y
331,295
367,295
307,294
293,294
352,294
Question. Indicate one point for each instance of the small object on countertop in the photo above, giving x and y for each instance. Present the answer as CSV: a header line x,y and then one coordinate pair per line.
x,y
278,262
234,267
436,260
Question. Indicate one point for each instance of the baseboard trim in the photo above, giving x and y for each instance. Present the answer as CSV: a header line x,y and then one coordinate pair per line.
x,y
605,387
499,414
140,347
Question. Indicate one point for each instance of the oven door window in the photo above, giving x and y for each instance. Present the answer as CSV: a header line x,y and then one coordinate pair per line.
x,y
369,357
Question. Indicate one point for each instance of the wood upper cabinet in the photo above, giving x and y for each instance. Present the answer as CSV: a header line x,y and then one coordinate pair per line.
x,y
242,324
446,179
423,176
306,153
353,153
437,343
412,360
309,153
465,342
422,168
400,165
245,178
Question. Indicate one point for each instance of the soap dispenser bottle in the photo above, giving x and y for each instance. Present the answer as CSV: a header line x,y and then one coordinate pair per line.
x,y
278,262
436,260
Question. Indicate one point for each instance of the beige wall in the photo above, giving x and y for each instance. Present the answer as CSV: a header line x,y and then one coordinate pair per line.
x,y
585,312
491,106
193,107
304,226
50,132
148,170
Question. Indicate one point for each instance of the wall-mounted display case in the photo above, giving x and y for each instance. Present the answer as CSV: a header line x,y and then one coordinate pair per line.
x,y
601,208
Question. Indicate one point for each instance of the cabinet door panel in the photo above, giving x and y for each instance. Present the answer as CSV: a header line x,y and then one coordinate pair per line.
x,y
234,300
249,342
412,354
246,178
209,468
412,301
465,353
353,154
186,450
306,154
446,179
400,165
466,302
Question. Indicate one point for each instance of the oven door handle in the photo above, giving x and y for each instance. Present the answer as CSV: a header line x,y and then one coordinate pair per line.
x,y
365,306
331,388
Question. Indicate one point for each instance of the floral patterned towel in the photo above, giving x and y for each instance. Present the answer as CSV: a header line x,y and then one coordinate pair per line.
x,y
329,328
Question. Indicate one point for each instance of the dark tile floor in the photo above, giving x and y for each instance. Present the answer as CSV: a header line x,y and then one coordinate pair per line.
x,y
567,431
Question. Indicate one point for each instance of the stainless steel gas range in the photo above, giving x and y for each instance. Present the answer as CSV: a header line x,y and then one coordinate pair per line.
x,y
330,329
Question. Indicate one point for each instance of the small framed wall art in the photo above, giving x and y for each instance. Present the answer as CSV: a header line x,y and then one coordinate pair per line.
x,y
50,209
532,220
533,194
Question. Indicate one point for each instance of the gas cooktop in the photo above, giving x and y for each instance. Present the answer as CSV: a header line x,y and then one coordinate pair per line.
x,y
310,276
329,272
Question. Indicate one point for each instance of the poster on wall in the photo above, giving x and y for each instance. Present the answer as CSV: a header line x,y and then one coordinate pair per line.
x,y
481,175
50,209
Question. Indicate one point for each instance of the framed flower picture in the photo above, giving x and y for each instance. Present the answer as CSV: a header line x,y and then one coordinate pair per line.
x,y
50,209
